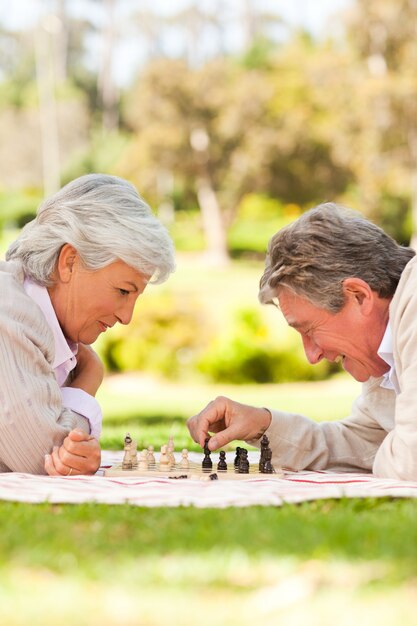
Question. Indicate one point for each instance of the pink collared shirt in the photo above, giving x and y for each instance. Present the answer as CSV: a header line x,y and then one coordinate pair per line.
x,y
65,360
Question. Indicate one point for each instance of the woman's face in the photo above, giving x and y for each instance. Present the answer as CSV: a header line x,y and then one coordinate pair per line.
x,y
87,302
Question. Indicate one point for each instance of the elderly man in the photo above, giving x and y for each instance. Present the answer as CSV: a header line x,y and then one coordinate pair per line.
x,y
351,292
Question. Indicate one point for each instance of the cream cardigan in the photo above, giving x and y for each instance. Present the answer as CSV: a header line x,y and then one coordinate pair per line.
x,y
380,435
32,418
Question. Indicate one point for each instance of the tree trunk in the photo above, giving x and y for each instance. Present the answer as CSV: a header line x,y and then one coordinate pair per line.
x,y
45,80
214,230
106,84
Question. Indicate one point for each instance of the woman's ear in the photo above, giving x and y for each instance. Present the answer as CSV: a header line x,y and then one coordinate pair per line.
x,y
66,262
359,292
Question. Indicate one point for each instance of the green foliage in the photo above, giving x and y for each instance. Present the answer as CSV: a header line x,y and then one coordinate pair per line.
x,y
186,231
18,207
163,338
246,353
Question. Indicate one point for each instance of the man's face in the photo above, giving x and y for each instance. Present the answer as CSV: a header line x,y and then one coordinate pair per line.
x,y
352,335
89,302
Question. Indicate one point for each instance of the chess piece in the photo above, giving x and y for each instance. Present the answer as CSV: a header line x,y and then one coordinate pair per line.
x,y
264,446
268,467
185,463
143,461
164,464
127,459
170,451
243,462
134,454
222,465
237,458
207,462
151,458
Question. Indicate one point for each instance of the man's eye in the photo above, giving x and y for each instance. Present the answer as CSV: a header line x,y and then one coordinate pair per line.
x,y
124,292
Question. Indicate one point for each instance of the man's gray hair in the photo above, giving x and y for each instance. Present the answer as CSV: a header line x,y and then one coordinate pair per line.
x,y
104,219
327,244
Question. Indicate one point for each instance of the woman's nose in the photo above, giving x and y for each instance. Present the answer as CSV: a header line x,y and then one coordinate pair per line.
x,y
125,313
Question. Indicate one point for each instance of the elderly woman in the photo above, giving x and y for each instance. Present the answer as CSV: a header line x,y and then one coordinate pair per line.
x,y
76,270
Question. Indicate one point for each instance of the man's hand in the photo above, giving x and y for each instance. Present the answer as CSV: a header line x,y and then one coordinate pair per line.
x,y
230,420
79,454
89,371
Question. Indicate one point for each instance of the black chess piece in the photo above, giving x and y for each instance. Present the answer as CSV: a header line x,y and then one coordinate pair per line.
x,y
207,462
222,465
268,467
264,446
237,458
243,462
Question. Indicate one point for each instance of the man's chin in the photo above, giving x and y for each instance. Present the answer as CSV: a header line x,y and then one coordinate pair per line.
x,y
361,377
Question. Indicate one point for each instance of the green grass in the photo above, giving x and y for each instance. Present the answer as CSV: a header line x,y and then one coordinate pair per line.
x,y
323,562
78,563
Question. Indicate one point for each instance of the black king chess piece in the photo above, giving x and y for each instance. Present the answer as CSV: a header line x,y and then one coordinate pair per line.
x,y
268,467
207,462
222,465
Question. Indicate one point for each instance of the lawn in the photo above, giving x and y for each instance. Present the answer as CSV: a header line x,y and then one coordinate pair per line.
x,y
316,563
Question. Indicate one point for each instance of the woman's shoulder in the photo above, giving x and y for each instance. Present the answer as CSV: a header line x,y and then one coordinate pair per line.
x,y
16,306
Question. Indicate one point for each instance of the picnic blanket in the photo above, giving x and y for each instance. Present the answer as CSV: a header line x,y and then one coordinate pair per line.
x,y
264,490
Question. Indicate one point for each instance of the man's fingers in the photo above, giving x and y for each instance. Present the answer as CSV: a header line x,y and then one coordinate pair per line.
x,y
210,419
223,437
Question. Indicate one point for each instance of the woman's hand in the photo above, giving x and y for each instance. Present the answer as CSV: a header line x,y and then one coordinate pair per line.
x,y
89,371
79,454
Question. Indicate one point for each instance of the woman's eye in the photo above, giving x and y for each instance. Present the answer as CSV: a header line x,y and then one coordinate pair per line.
x,y
124,292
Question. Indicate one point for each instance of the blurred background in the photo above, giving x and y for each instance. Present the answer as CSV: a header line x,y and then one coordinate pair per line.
x,y
231,117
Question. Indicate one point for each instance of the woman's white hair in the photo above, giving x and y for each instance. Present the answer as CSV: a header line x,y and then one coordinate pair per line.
x,y
104,219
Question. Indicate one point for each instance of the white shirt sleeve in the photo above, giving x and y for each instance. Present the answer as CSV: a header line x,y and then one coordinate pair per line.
x,y
81,402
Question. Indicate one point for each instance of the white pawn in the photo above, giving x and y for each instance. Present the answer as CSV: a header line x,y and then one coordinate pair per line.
x,y
151,458
143,460
185,463
164,464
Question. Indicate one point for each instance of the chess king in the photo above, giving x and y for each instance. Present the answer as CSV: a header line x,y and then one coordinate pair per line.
x,y
350,291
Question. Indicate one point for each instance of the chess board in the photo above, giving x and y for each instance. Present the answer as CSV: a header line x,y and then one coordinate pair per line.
x,y
194,472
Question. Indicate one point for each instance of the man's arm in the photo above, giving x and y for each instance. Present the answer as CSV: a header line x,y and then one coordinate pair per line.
x,y
299,443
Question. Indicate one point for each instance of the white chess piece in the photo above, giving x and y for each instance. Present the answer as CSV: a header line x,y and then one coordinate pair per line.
x,y
170,452
185,463
151,458
134,454
164,464
143,460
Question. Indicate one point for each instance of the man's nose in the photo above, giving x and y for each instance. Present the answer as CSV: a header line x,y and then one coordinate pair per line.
x,y
124,313
313,352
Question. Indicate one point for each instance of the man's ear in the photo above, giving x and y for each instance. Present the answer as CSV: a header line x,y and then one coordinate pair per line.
x,y
66,262
358,290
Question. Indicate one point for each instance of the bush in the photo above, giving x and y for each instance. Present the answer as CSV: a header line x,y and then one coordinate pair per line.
x,y
247,354
163,338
